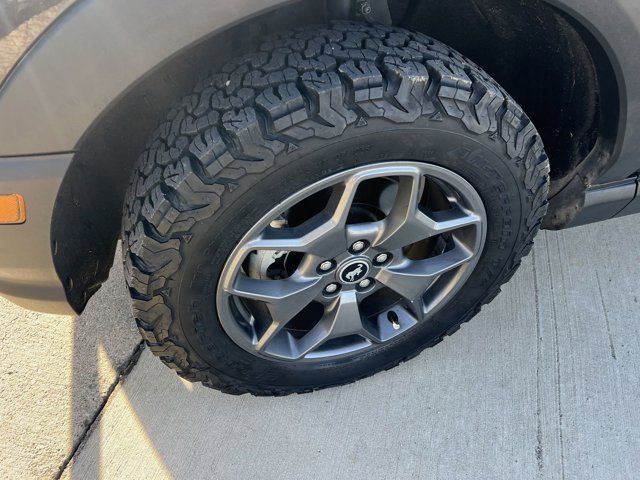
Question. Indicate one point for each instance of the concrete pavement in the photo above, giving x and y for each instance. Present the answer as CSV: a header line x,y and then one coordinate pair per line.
x,y
55,373
544,383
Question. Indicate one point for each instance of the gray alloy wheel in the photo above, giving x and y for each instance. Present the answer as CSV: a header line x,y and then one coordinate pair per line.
x,y
334,261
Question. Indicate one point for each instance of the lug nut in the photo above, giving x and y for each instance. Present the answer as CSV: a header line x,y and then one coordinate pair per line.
x,y
358,246
381,258
366,283
325,266
365,8
331,288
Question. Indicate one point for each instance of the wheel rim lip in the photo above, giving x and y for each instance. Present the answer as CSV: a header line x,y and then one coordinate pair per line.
x,y
373,170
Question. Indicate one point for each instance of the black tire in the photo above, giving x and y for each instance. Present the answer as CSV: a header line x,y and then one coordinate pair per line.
x,y
250,136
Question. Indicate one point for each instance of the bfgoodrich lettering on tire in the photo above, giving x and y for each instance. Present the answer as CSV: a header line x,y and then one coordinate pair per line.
x,y
326,208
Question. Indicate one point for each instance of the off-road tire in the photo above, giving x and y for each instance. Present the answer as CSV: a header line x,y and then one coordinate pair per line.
x,y
212,164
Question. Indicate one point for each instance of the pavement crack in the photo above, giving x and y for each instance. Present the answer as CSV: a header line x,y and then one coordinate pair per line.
x,y
124,371
606,318
557,358
539,441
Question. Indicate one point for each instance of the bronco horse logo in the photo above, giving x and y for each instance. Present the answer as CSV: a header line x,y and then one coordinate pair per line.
x,y
355,273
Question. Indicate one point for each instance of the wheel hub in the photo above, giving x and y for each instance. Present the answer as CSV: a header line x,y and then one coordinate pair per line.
x,y
353,271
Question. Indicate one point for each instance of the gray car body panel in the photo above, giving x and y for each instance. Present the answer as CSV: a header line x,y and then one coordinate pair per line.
x,y
98,49
634,206
28,276
91,55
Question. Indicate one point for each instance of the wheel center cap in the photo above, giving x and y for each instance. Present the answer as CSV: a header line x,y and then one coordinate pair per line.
x,y
354,271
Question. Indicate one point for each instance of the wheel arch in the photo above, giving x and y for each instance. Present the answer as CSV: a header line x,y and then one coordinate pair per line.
x,y
559,67
87,214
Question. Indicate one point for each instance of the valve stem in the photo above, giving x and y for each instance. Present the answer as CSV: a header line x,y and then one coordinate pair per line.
x,y
393,319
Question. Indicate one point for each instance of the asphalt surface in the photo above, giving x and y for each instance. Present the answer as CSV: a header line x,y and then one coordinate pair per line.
x,y
544,383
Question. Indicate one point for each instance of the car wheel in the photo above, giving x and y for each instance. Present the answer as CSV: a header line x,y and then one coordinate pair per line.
x,y
328,207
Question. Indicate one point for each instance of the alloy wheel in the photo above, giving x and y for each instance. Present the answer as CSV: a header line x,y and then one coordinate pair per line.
x,y
352,262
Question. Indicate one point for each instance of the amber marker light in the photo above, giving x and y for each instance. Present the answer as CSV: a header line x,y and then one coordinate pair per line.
x,y
12,209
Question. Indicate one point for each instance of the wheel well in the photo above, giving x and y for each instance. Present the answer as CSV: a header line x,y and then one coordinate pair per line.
x,y
554,68
526,45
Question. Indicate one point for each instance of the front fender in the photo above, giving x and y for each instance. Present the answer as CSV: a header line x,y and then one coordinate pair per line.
x,y
91,55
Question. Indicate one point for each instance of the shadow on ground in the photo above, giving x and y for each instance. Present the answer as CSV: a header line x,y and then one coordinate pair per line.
x,y
55,373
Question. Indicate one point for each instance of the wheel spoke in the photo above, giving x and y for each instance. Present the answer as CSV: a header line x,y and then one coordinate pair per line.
x,y
310,237
341,200
416,307
369,231
323,235
412,278
403,222
452,219
284,299
407,224
342,319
